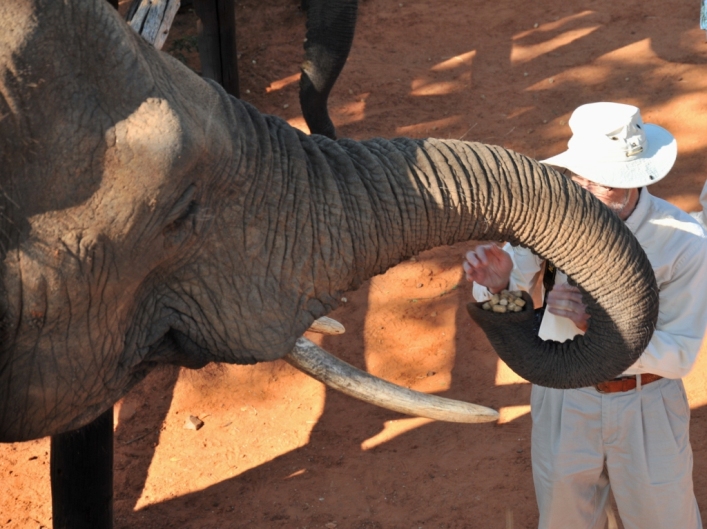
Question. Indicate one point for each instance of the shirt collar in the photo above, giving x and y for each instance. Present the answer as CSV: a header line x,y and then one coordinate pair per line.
x,y
641,211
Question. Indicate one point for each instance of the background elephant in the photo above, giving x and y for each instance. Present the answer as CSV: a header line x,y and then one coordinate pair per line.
x,y
330,33
150,218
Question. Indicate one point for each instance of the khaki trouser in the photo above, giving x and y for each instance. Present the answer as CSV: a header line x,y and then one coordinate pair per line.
x,y
636,442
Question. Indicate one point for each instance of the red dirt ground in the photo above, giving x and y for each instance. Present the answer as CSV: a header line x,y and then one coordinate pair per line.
x,y
278,449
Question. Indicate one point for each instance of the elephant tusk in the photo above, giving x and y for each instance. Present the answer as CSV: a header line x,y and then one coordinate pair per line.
x,y
325,325
335,373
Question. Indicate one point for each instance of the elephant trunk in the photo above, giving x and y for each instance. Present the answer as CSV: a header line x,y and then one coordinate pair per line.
x,y
449,191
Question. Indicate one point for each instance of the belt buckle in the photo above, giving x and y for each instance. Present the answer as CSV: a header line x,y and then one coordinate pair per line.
x,y
601,385
598,386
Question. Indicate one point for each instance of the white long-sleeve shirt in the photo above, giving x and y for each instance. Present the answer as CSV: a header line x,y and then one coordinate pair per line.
x,y
676,247
701,216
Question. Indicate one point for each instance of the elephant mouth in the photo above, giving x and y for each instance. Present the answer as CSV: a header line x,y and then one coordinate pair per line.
x,y
176,347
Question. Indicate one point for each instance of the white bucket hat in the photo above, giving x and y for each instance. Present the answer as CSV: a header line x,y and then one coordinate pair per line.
x,y
612,147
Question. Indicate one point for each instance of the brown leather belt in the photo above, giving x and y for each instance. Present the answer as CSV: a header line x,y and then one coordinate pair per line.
x,y
626,383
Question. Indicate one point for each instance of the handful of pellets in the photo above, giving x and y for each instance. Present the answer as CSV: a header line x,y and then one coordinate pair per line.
x,y
505,301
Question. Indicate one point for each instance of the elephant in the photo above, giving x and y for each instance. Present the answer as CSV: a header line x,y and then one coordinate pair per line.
x,y
148,217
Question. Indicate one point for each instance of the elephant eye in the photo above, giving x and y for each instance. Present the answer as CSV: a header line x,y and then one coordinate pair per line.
x,y
179,228
183,207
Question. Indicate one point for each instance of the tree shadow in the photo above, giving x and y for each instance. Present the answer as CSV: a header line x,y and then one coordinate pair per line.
x,y
366,467
515,80
139,417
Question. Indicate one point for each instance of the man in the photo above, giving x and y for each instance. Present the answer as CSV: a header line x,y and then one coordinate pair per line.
x,y
632,433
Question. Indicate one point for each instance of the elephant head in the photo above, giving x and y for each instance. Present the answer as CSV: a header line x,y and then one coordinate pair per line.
x,y
148,217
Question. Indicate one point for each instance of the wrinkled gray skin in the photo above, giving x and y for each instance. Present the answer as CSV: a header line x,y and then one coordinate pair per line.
x,y
148,217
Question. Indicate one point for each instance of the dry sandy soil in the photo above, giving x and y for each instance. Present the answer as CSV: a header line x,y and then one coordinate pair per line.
x,y
278,449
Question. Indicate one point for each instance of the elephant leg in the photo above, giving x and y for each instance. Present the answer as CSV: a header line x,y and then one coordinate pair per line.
x,y
81,469
330,33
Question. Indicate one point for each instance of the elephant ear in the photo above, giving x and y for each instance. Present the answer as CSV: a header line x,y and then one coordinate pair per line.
x,y
514,337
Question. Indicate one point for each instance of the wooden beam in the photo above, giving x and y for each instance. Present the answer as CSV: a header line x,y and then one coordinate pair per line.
x,y
216,33
152,19
81,470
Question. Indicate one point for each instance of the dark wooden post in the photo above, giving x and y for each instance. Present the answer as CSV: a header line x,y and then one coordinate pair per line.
x,y
81,469
216,34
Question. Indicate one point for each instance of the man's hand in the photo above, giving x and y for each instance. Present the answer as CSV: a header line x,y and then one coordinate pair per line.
x,y
488,266
566,300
